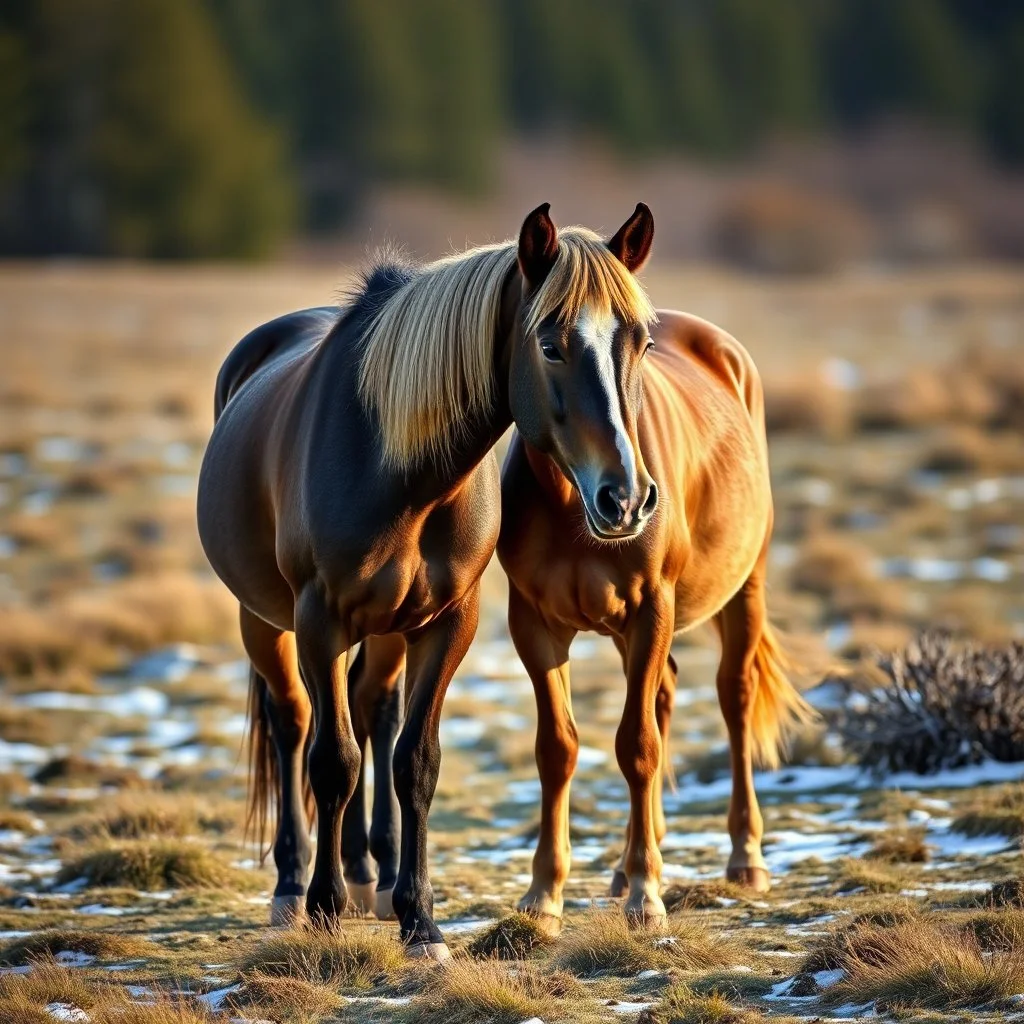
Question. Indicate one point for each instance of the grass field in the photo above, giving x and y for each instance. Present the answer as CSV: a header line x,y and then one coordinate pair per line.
x,y
896,403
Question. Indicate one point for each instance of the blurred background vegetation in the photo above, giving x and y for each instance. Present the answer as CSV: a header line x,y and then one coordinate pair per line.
x,y
224,128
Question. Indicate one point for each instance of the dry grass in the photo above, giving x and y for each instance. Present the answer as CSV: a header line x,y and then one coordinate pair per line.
x,y
681,1005
900,846
472,992
997,930
348,958
154,815
603,943
289,1000
23,996
998,811
102,945
700,895
926,965
858,938
512,938
162,864
875,876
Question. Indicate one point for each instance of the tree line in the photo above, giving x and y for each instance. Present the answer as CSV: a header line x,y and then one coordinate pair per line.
x,y
210,128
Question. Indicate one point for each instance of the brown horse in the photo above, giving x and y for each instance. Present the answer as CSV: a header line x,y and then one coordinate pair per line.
x,y
696,426
349,494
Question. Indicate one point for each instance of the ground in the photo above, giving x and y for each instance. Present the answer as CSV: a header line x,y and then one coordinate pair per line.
x,y
895,405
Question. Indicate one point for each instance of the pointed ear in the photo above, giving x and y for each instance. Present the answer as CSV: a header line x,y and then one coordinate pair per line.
x,y
632,242
538,245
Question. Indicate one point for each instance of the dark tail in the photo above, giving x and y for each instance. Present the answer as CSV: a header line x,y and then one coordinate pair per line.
x,y
264,774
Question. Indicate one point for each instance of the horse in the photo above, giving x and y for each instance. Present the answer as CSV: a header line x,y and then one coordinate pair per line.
x,y
349,495
692,422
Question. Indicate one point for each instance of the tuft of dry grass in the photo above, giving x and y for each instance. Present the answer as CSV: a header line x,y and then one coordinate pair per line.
x,y
289,1000
997,930
700,895
926,965
472,991
681,1005
512,938
102,945
900,846
23,996
873,876
346,958
603,943
160,864
153,815
998,811
858,938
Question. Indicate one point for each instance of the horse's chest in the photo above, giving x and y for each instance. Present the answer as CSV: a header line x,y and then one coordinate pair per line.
x,y
583,594
414,574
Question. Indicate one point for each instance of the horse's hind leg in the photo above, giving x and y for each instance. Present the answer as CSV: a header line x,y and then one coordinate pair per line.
x,y
546,659
284,710
374,697
741,625
663,713
334,758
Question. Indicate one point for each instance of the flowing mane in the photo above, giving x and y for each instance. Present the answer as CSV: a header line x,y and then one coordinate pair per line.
x,y
427,367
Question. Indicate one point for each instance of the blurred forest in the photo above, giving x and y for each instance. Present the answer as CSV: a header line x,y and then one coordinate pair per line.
x,y
220,128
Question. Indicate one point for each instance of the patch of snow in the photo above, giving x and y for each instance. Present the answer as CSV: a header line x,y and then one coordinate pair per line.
x,y
215,999
626,1007
826,978
71,958
66,1012
99,910
139,700
591,757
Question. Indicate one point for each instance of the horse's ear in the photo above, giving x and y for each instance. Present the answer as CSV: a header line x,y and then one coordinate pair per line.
x,y
538,245
632,242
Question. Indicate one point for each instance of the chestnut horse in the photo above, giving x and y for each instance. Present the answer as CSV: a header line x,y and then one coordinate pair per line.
x,y
349,493
693,422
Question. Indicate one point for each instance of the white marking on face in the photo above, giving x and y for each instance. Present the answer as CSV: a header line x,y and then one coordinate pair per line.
x,y
597,332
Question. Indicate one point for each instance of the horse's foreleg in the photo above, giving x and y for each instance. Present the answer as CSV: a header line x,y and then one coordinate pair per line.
x,y
638,749
287,714
433,657
663,713
740,625
334,756
545,656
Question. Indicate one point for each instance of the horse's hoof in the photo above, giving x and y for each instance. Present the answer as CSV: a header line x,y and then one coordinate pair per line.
x,y
619,886
362,896
286,911
754,879
438,952
383,904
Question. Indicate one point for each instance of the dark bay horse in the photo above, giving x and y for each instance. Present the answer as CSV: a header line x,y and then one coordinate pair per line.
x,y
695,426
349,493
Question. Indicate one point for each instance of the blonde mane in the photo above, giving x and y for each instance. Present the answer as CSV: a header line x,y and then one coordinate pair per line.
x,y
427,367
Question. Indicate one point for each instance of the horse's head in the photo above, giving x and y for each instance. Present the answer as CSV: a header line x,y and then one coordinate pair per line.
x,y
576,381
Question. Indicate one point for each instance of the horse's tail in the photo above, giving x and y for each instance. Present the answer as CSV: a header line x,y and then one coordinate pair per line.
x,y
263,768
264,773
778,707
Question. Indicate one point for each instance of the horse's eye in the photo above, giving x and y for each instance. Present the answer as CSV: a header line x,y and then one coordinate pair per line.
x,y
551,353
648,345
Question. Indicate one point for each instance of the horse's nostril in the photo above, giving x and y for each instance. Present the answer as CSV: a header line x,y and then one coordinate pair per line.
x,y
608,504
651,501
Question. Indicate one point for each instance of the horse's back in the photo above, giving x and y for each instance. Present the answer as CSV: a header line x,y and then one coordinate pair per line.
x,y
293,332
687,343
